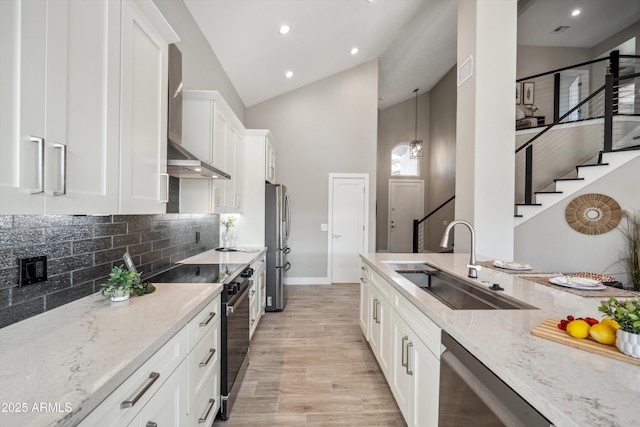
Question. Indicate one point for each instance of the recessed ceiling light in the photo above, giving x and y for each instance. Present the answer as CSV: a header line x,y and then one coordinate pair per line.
x,y
575,12
284,29
288,74
354,51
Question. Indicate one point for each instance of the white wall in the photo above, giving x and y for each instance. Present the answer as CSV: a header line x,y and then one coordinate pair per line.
x,y
326,127
201,69
547,242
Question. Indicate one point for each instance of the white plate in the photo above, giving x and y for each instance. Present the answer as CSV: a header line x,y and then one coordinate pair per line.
x,y
511,265
578,283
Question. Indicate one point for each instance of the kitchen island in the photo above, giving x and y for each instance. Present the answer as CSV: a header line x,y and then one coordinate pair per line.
x,y
569,386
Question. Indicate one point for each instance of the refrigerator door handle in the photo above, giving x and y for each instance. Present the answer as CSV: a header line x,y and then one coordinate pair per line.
x,y
287,266
287,250
288,216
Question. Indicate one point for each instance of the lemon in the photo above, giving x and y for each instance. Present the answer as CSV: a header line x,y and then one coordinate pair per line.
x,y
603,333
610,322
578,328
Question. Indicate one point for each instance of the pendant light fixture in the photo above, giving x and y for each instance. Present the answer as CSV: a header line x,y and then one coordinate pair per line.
x,y
416,144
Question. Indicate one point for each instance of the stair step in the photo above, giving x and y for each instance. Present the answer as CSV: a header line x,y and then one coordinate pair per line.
x,y
591,165
568,179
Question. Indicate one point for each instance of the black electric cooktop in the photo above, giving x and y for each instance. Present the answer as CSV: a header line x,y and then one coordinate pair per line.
x,y
197,273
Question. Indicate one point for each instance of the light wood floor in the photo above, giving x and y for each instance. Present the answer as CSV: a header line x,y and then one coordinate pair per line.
x,y
310,366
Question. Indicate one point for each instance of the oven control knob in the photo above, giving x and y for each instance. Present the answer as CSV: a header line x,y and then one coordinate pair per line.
x,y
247,272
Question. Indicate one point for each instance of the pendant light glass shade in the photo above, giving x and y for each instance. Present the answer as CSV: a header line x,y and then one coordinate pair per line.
x,y
416,144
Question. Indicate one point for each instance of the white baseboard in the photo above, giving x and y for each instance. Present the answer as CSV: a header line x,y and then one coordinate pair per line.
x,y
307,281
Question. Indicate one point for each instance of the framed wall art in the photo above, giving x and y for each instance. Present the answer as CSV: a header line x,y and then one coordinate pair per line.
x,y
527,93
518,93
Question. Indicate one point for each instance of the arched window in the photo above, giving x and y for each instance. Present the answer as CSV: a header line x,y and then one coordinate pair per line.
x,y
401,162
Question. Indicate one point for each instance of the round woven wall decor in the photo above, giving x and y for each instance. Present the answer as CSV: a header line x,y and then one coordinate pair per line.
x,y
593,214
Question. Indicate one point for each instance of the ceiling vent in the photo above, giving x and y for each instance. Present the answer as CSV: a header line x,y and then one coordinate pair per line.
x,y
560,29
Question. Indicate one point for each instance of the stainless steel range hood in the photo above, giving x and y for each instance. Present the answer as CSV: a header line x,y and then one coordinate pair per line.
x,y
181,163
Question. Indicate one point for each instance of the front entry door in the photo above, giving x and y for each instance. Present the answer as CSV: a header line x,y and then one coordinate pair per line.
x,y
406,203
348,225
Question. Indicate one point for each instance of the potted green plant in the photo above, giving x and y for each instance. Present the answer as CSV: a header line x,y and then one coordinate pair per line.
x,y
627,314
631,254
120,284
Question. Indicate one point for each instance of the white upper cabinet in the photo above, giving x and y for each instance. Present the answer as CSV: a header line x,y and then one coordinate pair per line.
x,y
143,131
83,98
211,131
60,106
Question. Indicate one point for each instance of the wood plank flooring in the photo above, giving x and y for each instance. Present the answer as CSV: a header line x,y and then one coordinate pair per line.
x,y
311,366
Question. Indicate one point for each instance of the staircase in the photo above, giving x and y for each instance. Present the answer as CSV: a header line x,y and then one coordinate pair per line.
x,y
566,186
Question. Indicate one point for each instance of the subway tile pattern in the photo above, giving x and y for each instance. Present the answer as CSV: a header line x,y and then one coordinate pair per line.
x,y
81,250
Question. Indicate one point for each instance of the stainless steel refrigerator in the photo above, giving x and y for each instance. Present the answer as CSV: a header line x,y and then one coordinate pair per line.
x,y
277,229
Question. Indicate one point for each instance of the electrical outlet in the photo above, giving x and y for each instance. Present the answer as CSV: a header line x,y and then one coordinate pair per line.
x,y
32,270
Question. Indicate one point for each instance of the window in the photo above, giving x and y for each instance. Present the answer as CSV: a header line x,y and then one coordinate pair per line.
x,y
401,162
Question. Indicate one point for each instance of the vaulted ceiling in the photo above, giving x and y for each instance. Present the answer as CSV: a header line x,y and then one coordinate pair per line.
x,y
415,40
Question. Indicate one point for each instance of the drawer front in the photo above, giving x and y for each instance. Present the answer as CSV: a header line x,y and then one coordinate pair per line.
x,y
202,361
207,403
202,323
259,265
424,327
385,289
121,406
365,270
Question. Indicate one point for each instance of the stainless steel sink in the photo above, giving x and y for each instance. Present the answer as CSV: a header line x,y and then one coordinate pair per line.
x,y
461,294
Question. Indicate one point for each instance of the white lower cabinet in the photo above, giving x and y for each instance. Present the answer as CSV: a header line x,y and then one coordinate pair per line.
x,y
257,294
406,344
166,407
177,386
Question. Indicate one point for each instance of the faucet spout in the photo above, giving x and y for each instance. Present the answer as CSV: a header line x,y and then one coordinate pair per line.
x,y
473,267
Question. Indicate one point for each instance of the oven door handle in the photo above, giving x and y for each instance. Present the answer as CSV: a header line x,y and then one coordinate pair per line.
x,y
231,308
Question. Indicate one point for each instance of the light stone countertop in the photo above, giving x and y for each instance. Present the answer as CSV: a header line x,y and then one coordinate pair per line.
x,y
245,255
571,387
72,357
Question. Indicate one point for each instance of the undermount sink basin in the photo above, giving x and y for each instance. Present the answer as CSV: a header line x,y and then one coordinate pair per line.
x,y
457,293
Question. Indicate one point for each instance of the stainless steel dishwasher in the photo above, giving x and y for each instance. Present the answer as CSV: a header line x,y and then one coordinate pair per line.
x,y
470,394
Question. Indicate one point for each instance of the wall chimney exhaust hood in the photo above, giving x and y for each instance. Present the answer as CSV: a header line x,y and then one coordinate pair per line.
x,y
181,163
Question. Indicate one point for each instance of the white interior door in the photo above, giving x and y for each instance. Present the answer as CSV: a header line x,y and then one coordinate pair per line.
x,y
348,225
406,203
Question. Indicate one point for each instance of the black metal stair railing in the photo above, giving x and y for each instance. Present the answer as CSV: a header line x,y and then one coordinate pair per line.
x,y
602,104
419,226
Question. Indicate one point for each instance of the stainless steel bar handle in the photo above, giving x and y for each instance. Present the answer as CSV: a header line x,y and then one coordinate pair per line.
x,y
403,362
40,142
286,251
287,266
166,188
209,318
409,369
153,377
151,424
63,168
203,418
206,361
375,310
377,305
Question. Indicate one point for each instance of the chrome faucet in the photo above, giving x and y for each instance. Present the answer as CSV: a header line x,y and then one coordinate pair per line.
x,y
473,267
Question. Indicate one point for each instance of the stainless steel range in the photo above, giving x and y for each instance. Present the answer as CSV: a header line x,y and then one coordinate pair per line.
x,y
234,323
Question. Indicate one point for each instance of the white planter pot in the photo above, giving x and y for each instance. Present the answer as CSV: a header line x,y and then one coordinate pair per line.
x,y
628,343
119,295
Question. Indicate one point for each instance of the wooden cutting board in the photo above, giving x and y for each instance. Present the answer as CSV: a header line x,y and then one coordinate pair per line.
x,y
549,330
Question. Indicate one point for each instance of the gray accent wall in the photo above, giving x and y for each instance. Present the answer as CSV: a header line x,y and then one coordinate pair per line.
x,y
329,126
397,124
81,251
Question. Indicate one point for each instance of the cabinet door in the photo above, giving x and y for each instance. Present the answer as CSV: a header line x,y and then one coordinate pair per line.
x,y
270,167
168,407
364,307
143,153
22,89
401,382
82,107
237,178
426,382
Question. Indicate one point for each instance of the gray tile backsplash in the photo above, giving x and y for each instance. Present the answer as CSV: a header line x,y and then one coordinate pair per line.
x,y
81,251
